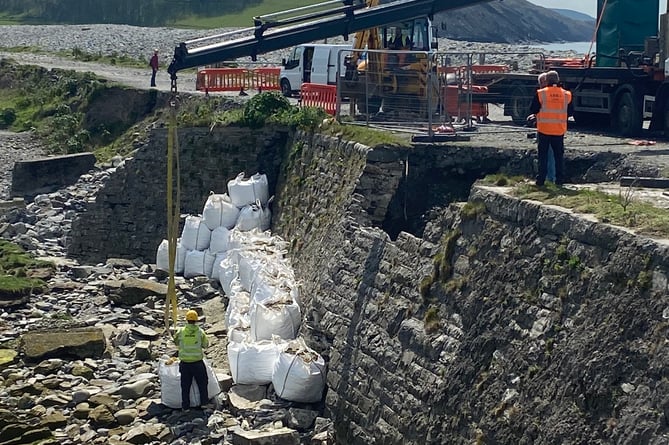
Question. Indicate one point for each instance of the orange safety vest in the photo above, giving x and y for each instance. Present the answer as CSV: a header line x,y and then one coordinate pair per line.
x,y
552,118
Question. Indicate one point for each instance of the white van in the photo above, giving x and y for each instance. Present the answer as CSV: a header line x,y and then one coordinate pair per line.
x,y
312,63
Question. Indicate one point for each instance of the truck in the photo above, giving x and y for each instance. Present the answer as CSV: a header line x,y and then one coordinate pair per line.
x,y
312,63
625,84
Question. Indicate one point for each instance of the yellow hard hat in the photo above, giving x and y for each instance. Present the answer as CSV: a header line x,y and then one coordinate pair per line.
x,y
191,315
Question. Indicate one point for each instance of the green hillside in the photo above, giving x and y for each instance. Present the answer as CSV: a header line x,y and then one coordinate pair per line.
x,y
242,18
177,13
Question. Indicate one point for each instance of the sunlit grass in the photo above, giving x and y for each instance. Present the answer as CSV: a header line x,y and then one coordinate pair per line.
x,y
626,211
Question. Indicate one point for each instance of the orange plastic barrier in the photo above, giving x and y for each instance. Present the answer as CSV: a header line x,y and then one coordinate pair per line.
x,y
221,79
455,101
266,79
237,79
321,96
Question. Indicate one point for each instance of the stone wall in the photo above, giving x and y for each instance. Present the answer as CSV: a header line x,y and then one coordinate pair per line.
x,y
505,322
128,218
508,322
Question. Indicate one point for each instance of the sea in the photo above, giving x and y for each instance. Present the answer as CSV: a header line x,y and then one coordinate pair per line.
x,y
577,47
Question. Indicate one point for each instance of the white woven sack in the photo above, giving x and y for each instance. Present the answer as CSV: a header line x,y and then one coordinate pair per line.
x,y
275,284
254,216
195,234
279,319
216,269
253,363
162,257
170,385
299,373
220,240
219,211
199,263
247,191
238,334
228,272
249,262
256,239
237,311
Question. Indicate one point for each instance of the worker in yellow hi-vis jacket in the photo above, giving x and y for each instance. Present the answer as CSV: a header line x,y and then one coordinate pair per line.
x,y
192,340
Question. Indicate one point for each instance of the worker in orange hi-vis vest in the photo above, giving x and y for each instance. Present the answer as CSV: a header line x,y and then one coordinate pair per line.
x,y
552,107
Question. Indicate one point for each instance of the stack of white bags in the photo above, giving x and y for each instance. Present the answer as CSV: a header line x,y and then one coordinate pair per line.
x,y
230,243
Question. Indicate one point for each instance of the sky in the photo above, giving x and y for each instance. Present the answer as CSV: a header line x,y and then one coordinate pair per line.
x,y
585,6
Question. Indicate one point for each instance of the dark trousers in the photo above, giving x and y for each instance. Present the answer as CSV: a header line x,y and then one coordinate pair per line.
x,y
190,371
153,78
557,144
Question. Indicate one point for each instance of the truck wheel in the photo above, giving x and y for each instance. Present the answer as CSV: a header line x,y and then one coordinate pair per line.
x,y
627,119
519,105
285,88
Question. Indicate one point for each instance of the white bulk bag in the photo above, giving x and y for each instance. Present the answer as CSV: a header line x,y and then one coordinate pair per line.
x,y
195,234
227,273
253,363
254,216
220,240
170,384
278,319
162,257
238,334
299,373
219,211
249,263
237,311
247,191
269,289
216,269
199,263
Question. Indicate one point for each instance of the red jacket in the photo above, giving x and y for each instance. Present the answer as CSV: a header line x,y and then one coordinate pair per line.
x,y
154,62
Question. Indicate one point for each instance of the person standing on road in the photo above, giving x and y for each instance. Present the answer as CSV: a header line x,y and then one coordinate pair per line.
x,y
192,340
153,63
552,107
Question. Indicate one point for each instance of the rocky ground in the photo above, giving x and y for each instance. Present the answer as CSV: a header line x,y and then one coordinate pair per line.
x,y
115,399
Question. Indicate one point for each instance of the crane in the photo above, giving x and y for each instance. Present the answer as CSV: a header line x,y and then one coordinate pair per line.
x,y
328,19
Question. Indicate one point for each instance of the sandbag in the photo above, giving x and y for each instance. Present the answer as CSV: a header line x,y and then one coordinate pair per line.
x,y
245,191
253,363
162,257
220,240
228,272
237,311
278,319
299,373
254,216
238,334
219,211
170,384
249,263
199,263
195,234
216,269
273,284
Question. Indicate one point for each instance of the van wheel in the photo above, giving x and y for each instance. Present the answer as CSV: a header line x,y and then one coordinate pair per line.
x,y
285,88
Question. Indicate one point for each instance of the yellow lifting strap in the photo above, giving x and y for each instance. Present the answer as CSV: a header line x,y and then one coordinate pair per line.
x,y
173,208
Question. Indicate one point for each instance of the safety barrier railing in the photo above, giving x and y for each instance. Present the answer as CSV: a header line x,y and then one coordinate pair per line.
x,y
237,79
320,96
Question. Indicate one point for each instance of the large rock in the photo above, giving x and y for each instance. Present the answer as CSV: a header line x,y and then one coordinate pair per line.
x,y
31,178
279,436
133,290
78,343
